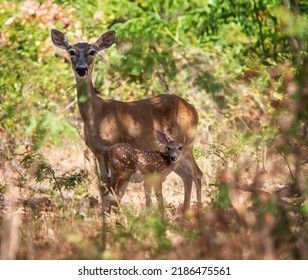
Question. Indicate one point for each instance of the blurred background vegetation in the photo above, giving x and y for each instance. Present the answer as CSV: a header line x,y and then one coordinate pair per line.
x,y
243,64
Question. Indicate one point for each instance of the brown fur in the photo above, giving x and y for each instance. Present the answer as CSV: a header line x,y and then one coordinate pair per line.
x,y
107,122
123,162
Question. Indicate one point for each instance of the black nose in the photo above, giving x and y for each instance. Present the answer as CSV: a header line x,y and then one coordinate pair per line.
x,y
173,158
82,70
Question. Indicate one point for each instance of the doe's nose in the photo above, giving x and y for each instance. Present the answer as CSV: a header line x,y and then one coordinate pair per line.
x,y
82,70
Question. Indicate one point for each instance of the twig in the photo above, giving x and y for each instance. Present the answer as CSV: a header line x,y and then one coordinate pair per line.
x,y
264,149
175,39
17,168
57,183
287,162
36,189
70,104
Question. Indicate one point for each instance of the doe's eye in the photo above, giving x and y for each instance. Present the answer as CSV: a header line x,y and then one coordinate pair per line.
x,y
169,148
92,52
180,148
71,53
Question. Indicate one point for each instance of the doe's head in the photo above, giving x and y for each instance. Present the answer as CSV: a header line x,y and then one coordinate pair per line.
x,y
82,54
174,147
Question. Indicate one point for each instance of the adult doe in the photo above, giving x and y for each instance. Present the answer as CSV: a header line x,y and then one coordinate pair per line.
x,y
107,122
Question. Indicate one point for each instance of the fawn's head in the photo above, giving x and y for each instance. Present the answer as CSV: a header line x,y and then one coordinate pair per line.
x,y
82,54
174,147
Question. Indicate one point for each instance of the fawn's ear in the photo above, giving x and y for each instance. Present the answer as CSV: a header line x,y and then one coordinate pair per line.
x,y
162,137
105,41
60,40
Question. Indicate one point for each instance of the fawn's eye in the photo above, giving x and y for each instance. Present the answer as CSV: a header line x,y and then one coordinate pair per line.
x,y
180,148
169,148
71,53
92,52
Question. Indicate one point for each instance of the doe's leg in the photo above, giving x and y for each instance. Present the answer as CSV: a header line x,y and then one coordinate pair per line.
x,y
105,185
189,171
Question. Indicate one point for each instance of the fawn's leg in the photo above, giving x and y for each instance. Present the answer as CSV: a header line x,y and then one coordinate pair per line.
x,y
120,187
147,192
159,195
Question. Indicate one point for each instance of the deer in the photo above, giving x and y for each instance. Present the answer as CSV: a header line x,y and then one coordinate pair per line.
x,y
107,121
123,161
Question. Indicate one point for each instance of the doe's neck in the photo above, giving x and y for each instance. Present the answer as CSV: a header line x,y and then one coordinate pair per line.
x,y
85,89
86,97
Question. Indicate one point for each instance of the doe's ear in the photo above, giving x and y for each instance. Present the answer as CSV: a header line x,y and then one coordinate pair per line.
x,y
162,137
60,40
106,40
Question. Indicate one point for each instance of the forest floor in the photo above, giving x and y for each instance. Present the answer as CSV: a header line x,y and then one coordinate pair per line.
x,y
41,224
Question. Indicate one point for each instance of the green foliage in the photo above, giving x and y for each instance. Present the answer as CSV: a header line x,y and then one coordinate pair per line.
x,y
69,181
223,199
305,209
29,87
41,170
2,189
223,152
148,228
